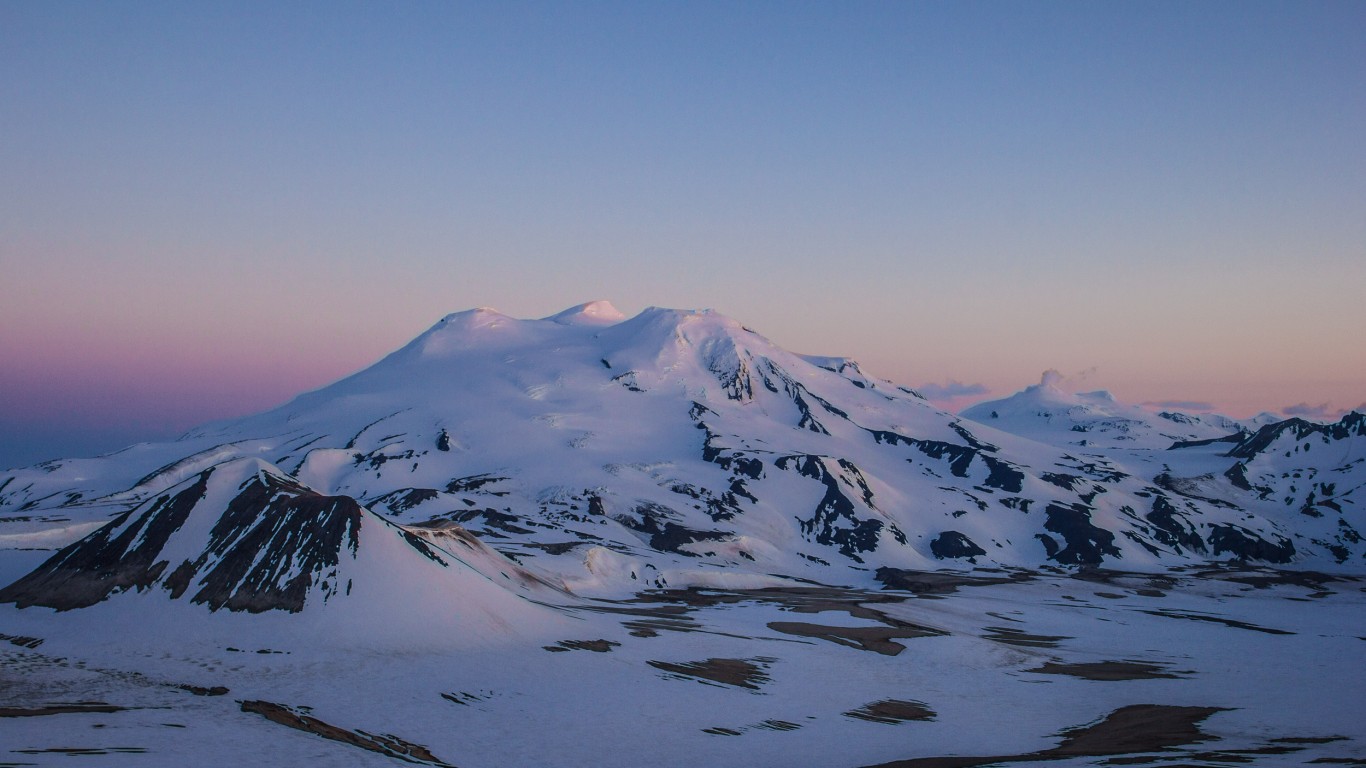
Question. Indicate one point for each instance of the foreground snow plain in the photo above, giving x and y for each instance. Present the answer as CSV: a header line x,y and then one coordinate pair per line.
x,y
1264,671
584,540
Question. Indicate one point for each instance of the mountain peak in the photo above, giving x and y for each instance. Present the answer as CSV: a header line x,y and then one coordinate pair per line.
x,y
598,312
460,330
478,315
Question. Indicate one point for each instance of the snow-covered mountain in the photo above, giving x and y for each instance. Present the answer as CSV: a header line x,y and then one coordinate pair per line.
x,y
601,454
1049,413
243,536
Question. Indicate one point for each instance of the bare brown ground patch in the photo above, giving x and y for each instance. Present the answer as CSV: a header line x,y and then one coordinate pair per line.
x,y
1108,671
1234,623
1012,636
72,708
199,690
935,583
384,744
1128,730
81,751
892,711
875,639
596,646
741,673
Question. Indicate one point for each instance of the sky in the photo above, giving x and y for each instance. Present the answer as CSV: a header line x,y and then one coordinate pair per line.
x,y
208,208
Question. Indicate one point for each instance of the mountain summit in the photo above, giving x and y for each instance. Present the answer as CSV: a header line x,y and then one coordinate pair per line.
x,y
593,313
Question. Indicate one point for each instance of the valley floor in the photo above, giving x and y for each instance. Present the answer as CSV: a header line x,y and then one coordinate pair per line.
x,y
1190,667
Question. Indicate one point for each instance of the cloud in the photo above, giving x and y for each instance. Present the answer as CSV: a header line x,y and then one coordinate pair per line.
x,y
1068,382
950,390
1181,405
1305,409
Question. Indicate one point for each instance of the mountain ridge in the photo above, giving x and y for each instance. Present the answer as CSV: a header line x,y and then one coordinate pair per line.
x,y
679,447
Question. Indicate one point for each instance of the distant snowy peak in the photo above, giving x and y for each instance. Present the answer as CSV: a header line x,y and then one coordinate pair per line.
x,y
1047,412
1262,419
1291,434
1214,421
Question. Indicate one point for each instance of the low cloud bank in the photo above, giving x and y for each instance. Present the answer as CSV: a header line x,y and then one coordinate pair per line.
x,y
951,389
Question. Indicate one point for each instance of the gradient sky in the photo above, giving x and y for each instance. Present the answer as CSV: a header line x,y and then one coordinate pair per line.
x,y
209,207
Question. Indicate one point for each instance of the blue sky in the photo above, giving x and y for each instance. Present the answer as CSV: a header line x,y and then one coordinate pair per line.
x,y
213,206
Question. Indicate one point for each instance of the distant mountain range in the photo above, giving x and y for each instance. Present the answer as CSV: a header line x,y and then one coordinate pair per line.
x,y
594,454
1094,420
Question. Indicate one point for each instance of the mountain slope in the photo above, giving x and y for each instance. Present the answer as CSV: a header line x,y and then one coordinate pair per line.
x,y
242,536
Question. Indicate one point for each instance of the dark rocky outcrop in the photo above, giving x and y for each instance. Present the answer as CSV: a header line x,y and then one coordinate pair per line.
x,y
656,521
404,499
274,545
953,545
119,556
1172,528
274,542
1246,545
383,743
835,521
1084,542
1001,474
